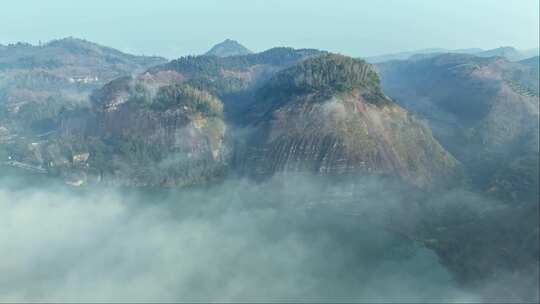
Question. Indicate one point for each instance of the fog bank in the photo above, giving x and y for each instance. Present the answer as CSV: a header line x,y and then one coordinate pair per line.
x,y
237,241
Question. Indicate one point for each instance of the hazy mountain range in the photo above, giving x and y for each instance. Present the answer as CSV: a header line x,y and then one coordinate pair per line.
x,y
307,109
509,52
431,120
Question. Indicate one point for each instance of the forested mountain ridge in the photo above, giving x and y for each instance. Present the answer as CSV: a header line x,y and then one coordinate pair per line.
x,y
328,115
164,126
38,82
234,79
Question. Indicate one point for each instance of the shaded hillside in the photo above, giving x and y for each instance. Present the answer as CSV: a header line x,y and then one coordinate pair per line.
x,y
488,246
169,135
327,115
483,110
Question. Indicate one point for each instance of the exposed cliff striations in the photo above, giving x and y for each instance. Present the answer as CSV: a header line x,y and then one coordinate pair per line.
x,y
328,115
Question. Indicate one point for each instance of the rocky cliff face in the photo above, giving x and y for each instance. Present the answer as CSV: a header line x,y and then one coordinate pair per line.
x,y
173,138
322,114
163,127
328,116
143,134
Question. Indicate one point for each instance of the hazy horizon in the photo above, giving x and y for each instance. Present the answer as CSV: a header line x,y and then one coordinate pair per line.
x,y
357,28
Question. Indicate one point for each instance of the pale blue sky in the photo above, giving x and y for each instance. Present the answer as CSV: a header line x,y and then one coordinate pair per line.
x,y
173,28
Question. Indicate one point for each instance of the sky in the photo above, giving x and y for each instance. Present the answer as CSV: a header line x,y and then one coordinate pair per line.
x,y
173,28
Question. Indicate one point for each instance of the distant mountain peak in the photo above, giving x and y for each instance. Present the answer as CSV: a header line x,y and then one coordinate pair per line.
x,y
228,48
504,51
506,48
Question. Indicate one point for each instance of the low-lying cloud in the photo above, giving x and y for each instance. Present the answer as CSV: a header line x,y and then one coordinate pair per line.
x,y
237,241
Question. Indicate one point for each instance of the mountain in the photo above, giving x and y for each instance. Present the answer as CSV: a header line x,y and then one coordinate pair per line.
x,y
228,48
165,126
509,53
136,133
200,119
328,115
324,113
483,110
348,125
37,82
407,55
531,53
72,57
234,79
171,135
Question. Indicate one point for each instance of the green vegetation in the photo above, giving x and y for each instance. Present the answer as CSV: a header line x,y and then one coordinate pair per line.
x,y
189,98
517,181
49,110
209,72
64,54
521,88
140,94
137,151
219,86
326,75
175,96
37,80
200,66
206,66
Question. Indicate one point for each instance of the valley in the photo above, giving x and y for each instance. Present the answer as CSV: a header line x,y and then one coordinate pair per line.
x,y
436,152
